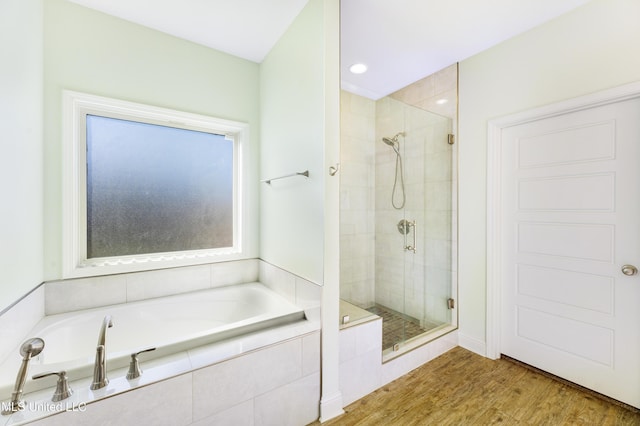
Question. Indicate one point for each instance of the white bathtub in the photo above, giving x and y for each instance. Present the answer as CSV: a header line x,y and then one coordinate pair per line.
x,y
171,324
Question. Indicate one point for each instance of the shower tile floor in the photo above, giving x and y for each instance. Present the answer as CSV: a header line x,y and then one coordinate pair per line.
x,y
398,327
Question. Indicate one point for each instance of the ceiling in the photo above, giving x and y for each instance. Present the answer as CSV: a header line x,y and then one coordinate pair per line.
x,y
244,28
401,41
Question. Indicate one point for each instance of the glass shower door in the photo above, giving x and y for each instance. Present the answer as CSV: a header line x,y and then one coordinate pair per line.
x,y
413,203
397,220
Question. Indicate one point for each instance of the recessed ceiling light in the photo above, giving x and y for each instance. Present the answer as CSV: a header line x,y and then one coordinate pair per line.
x,y
358,68
442,101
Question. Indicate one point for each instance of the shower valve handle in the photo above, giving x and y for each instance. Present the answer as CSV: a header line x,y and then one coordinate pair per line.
x,y
134,366
63,390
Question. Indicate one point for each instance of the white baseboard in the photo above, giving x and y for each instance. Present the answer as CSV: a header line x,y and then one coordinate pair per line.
x,y
331,407
471,343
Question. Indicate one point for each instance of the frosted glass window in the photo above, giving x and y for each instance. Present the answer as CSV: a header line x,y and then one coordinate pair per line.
x,y
156,189
146,187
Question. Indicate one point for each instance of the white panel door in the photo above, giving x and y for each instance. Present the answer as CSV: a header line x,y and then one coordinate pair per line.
x,y
571,220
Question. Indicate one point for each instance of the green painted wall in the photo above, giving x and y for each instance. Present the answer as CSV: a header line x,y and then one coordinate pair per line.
x,y
88,51
292,140
21,220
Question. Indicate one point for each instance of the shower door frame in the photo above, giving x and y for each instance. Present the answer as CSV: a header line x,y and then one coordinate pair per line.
x,y
410,263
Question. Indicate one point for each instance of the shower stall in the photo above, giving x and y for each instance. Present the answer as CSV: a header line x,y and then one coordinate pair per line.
x,y
398,227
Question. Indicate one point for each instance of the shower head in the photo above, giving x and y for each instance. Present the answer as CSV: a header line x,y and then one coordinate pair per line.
x,y
388,141
392,141
31,348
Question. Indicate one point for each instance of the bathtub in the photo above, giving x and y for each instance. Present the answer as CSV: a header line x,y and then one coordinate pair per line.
x,y
170,324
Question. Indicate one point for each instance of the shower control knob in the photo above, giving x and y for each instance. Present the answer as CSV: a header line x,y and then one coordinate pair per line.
x,y
63,390
404,226
134,365
629,270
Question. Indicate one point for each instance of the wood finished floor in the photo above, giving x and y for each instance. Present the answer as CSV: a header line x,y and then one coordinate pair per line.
x,y
462,388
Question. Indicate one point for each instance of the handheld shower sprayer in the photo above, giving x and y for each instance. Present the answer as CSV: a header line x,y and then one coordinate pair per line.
x,y
395,144
29,349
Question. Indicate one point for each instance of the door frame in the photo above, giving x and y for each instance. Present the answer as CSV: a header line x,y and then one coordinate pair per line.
x,y
494,282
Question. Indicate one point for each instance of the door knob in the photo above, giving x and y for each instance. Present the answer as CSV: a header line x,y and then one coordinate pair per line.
x,y
629,270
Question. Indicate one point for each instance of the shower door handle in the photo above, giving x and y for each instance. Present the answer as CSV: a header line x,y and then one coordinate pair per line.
x,y
412,247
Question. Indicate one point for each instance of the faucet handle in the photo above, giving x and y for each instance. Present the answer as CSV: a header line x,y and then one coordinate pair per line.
x,y
134,366
63,390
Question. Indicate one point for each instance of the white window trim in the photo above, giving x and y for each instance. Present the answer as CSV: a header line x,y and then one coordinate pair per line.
x,y
75,263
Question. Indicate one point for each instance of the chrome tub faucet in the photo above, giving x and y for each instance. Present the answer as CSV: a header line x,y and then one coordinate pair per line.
x,y
100,379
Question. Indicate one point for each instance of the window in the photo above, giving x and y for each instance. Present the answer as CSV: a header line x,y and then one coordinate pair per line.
x,y
148,187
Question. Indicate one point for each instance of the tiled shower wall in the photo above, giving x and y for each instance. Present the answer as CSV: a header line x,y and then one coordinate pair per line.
x,y
441,201
416,284
357,209
368,221
428,93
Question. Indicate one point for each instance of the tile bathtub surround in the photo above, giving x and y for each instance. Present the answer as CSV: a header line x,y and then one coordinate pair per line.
x,y
290,353
230,273
278,384
85,293
297,290
271,370
294,364
167,282
163,403
293,404
56,297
